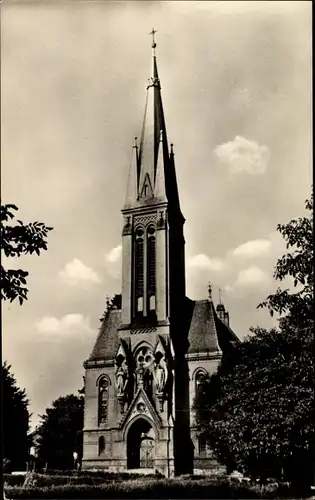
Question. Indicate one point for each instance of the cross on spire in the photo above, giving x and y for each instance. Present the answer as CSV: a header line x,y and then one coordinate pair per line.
x,y
153,38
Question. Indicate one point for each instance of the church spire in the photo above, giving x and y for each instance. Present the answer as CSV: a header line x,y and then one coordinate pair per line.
x,y
132,186
153,155
159,191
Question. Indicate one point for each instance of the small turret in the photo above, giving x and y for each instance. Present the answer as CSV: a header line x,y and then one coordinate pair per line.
x,y
221,311
223,315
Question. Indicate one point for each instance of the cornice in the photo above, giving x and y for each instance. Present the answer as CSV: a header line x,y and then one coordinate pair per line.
x,y
201,356
98,363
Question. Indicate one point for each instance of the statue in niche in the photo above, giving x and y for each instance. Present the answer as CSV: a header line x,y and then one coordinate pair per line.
x,y
160,372
147,381
121,377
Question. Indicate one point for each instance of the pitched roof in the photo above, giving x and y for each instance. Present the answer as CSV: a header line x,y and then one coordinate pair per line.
x,y
107,342
207,333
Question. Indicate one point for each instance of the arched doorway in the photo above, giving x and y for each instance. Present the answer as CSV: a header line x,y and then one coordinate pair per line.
x,y
140,445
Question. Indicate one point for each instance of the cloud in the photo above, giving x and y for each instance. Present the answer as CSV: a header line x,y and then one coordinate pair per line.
x,y
68,324
203,262
251,277
114,255
75,272
113,261
253,248
243,156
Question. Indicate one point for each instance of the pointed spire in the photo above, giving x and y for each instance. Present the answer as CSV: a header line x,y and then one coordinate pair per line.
x,y
132,186
152,124
159,191
153,153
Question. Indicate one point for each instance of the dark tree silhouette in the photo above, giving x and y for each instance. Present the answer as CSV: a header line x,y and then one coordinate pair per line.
x,y
60,432
15,420
257,410
17,240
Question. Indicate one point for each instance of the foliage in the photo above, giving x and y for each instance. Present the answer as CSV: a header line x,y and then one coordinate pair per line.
x,y
15,415
154,488
298,306
13,479
16,240
60,432
257,410
113,303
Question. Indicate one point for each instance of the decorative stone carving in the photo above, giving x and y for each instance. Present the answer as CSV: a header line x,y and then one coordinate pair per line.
x,y
127,229
144,219
121,378
161,223
144,366
160,373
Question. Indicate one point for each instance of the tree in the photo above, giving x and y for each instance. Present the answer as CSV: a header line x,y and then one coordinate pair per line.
x,y
113,303
257,410
15,419
16,240
296,308
60,432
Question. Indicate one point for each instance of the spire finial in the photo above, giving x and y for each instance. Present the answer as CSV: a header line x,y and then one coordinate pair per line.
x,y
153,45
220,298
135,144
210,290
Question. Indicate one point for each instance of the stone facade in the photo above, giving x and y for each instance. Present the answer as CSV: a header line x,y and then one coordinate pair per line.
x,y
151,354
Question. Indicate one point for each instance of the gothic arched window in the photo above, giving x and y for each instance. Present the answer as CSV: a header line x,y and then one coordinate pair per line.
x,y
101,445
139,271
200,379
151,259
102,400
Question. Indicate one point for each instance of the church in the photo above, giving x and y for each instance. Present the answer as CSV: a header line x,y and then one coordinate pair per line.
x,y
155,346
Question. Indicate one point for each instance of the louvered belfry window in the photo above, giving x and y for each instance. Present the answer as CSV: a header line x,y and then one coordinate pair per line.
x,y
151,265
139,271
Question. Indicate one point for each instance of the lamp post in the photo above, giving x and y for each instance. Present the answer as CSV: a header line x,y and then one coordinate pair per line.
x,y
75,459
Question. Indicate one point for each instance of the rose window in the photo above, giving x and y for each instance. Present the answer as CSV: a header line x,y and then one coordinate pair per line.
x,y
144,357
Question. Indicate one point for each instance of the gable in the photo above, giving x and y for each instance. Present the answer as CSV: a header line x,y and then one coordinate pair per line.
x,y
146,189
141,406
107,342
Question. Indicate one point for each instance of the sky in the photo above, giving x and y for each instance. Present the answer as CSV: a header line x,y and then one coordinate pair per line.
x,y
236,90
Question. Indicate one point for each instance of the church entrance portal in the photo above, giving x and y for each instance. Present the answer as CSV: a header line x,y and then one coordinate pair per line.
x,y
140,445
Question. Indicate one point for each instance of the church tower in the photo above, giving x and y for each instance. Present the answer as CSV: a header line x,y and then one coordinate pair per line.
x,y
153,284
141,376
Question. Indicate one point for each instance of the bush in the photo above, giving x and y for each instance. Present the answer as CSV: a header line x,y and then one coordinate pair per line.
x,y
117,476
154,488
13,479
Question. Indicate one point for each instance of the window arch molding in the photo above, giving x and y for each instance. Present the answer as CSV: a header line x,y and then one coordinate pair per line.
x,y
138,226
199,370
199,376
141,344
103,376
